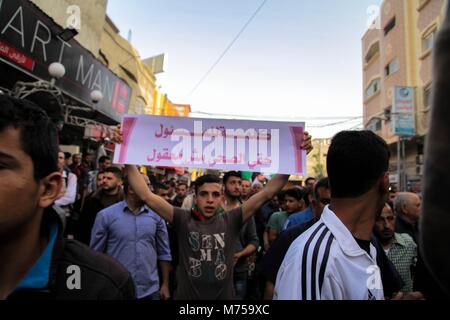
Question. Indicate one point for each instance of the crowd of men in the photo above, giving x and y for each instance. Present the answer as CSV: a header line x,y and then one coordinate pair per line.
x,y
72,231
223,237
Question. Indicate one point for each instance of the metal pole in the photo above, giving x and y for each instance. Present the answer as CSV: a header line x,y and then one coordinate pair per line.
x,y
399,177
404,182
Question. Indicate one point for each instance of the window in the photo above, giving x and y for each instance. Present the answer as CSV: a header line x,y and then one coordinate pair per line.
x,y
374,124
388,113
428,41
427,97
422,4
140,106
378,125
103,57
128,73
373,88
373,51
391,67
389,26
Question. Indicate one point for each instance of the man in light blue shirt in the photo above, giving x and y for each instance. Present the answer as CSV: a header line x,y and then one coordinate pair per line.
x,y
318,200
299,218
137,237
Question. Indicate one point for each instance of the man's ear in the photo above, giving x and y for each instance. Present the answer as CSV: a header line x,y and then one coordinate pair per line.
x,y
195,199
50,188
310,198
384,183
404,208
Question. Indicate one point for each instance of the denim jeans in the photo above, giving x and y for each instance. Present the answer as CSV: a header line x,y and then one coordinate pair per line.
x,y
154,296
240,288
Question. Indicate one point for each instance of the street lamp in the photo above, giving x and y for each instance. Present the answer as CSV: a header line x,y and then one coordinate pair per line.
x,y
96,96
56,70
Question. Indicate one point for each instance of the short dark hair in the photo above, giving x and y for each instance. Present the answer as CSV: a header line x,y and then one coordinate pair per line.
x,y
307,191
230,174
322,183
114,170
208,178
310,178
102,159
281,194
38,134
67,155
183,183
361,152
125,185
295,193
87,154
159,186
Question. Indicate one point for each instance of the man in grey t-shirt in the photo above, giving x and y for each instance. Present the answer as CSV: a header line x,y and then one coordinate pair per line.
x,y
205,238
206,254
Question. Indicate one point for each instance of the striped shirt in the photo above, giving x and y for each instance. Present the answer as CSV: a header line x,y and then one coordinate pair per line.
x,y
326,263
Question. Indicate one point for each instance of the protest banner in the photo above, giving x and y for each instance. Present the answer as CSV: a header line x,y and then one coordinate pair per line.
x,y
246,145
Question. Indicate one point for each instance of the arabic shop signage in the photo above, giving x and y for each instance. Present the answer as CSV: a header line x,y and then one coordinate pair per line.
x,y
29,41
403,108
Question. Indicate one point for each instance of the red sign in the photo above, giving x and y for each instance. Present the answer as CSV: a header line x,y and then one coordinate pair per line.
x,y
16,56
97,131
121,97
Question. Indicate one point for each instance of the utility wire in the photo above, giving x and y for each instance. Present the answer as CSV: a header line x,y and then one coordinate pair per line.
x,y
297,118
228,47
335,123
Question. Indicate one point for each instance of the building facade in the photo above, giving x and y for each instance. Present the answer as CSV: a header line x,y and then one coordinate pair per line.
x,y
317,159
119,55
397,51
87,16
33,35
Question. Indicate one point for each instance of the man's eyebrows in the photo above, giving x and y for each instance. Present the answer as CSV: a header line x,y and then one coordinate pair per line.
x,y
7,157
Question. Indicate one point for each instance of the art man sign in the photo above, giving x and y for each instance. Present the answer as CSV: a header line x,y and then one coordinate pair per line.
x,y
30,42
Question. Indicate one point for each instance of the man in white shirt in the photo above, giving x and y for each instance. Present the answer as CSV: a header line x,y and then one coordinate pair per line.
x,y
334,259
69,186
68,194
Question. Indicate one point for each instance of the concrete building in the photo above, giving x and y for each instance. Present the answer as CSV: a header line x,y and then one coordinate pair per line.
x,y
317,159
36,33
397,51
87,15
121,57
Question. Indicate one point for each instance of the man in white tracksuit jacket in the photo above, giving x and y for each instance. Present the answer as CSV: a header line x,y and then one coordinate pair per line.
x,y
334,259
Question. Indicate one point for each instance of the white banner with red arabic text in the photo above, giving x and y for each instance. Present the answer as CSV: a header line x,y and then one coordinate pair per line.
x,y
245,145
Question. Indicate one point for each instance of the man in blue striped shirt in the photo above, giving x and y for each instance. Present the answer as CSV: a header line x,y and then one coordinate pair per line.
x,y
137,237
